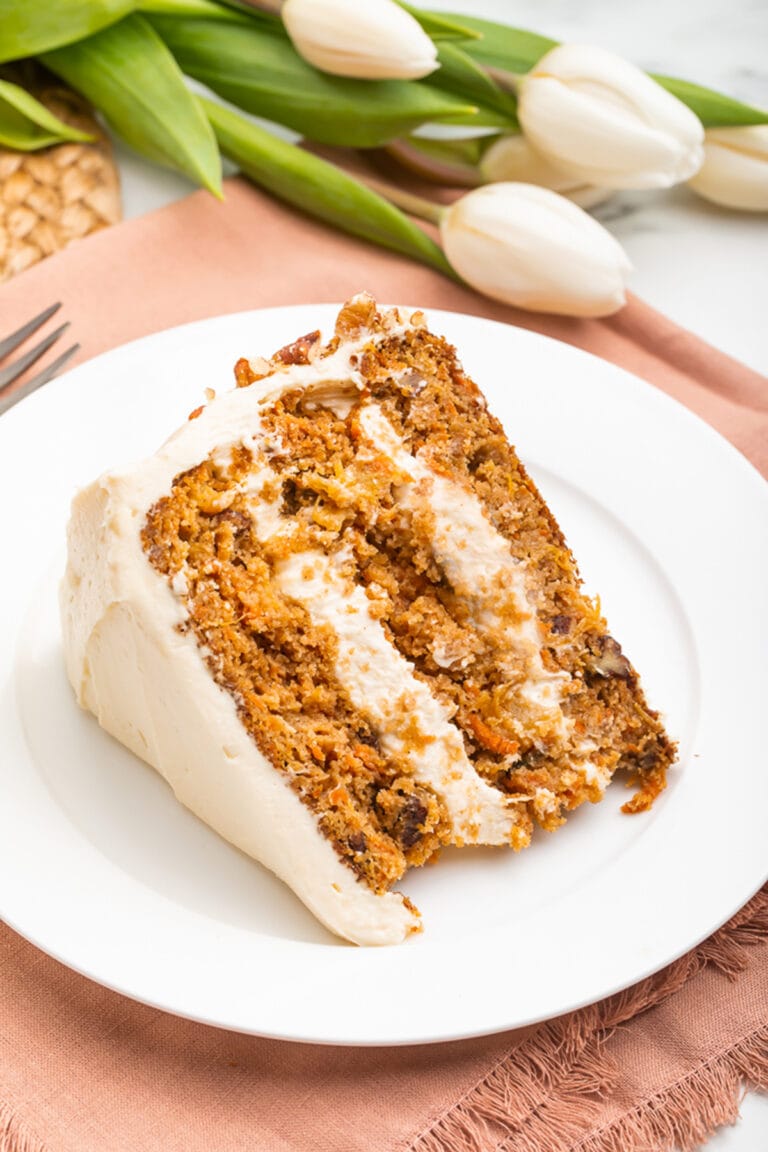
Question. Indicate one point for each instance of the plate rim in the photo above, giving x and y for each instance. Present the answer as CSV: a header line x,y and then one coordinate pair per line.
x,y
324,313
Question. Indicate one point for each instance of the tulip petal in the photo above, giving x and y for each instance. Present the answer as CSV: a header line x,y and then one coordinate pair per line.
x,y
735,169
529,247
599,140
603,120
511,158
376,40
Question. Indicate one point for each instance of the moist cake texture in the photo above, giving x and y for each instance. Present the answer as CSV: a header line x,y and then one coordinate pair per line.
x,y
336,614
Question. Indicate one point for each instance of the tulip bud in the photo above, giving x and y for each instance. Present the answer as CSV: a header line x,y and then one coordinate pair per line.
x,y
735,168
511,158
606,122
368,39
529,247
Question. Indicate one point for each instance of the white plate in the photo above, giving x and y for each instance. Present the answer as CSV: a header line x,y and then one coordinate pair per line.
x,y
103,869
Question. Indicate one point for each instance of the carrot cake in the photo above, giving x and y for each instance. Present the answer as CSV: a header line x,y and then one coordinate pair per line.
x,y
335,613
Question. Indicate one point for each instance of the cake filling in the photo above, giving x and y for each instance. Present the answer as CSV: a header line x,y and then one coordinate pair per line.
x,y
476,561
442,418
376,582
449,593
409,720
279,666
356,632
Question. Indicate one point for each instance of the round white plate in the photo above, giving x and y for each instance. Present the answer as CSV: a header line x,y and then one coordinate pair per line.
x,y
103,869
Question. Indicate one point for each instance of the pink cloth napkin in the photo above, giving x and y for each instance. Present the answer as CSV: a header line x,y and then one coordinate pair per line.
x,y
83,1069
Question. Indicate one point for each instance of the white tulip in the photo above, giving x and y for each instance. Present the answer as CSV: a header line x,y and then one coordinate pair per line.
x,y
368,39
512,158
735,169
606,122
529,247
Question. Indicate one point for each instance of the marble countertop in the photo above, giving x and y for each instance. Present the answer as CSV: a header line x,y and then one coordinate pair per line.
x,y
704,267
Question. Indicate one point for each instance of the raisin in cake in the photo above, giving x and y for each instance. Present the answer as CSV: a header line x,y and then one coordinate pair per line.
x,y
334,612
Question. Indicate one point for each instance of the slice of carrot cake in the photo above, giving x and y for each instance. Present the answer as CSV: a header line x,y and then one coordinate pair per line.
x,y
336,615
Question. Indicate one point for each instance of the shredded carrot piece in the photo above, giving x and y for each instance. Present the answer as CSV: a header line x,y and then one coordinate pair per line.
x,y
492,741
651,786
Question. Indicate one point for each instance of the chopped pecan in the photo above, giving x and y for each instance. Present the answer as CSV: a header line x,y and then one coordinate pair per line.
x,y
300,352
357,314
610,662
244,373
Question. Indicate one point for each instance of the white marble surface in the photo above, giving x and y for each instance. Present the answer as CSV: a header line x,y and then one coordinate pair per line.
x,y
706,268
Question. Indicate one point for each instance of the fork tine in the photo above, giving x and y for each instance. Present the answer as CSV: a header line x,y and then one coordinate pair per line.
x,y
11,343
30,386
15,369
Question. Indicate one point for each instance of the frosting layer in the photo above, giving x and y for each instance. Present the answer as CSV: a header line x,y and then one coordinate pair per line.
x,y
148,684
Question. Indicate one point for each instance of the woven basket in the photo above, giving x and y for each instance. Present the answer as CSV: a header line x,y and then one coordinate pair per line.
x,y
52,197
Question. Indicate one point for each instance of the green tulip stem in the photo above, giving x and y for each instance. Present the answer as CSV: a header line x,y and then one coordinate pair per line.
x,y
508,81
408,201
322,189
271,6
435,164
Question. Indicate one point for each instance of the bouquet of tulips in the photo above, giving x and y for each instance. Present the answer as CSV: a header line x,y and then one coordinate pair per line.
x,y
538,131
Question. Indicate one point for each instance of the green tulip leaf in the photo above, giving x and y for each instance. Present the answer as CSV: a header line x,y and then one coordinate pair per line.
x,y
460,74
28,27
130,76
319,188
467,152
510,49
440,27
259,70
202,9
712,108
481,118
251,11
26,124
517,51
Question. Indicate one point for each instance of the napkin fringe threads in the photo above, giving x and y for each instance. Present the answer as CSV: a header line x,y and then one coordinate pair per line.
x,y
687,1114
547,1094
14,1134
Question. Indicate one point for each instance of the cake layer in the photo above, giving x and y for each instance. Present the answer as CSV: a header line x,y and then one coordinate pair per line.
x,y
409,721
148,686
347,553
476,561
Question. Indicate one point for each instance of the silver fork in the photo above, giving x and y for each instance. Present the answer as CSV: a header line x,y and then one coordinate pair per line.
x,y
11,373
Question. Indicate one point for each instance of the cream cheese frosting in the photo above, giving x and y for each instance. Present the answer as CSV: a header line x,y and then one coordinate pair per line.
x,y
148,686
476,559
148,683
379,679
